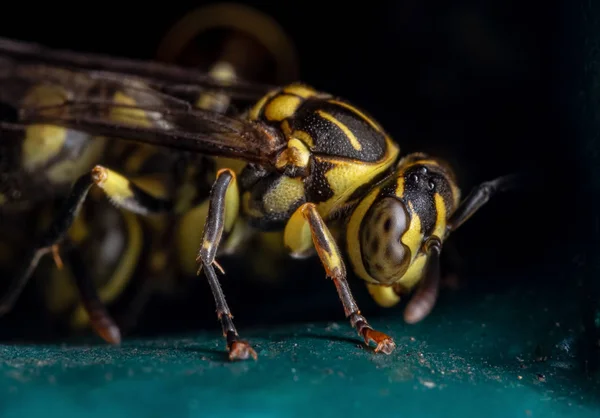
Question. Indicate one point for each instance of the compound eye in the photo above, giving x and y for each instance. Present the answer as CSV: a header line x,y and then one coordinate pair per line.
x,y
385,257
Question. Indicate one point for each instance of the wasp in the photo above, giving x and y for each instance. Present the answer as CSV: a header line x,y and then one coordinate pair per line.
x,y
308,165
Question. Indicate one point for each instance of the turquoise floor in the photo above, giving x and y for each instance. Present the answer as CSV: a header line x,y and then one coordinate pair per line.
x,y
469,359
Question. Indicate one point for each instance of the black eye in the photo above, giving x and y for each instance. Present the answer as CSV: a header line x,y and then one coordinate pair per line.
x,y
414,178
431,185
424,170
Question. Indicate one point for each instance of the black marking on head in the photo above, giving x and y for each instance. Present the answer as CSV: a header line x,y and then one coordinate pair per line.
x,y
329,139
420,185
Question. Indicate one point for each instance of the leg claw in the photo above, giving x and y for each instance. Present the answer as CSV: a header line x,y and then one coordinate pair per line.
x,y
385,344
241,350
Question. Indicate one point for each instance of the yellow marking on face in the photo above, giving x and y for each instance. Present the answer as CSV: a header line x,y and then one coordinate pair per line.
x,y
287,191
413,237
384,296
414,274
349,134
353,235
400,186
351,108
440,222
300,90
282,107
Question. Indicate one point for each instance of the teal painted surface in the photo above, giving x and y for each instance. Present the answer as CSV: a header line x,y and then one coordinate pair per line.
x,y
473,358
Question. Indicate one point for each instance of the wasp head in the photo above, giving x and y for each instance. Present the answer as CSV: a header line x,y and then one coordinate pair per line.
x,y
405,212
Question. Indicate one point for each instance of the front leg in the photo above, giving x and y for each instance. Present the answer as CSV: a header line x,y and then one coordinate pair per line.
x,y
306,225
222,213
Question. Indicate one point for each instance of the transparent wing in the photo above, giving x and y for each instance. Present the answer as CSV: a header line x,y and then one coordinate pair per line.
x,y
123,105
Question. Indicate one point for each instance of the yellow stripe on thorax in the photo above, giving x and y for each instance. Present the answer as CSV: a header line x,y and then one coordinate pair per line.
x,y
351,108
349,134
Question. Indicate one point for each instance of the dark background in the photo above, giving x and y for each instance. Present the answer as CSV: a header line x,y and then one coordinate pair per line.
x,y
489,85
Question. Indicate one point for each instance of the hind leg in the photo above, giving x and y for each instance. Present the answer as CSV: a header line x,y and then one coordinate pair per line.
x,y
121,192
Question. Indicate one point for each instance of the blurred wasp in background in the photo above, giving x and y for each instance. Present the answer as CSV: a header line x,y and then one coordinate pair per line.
x,y
163,144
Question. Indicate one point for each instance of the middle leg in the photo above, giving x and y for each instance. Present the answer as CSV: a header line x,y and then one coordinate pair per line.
x,y
222,214
306,225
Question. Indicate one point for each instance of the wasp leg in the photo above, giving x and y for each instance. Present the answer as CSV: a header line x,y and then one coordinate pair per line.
x,y
479,197
305,225
100,319
222,213
121,275
119,190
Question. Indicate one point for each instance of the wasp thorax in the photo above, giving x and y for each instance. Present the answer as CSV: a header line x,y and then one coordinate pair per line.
x,y
384,255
